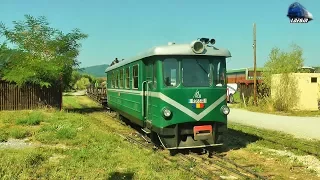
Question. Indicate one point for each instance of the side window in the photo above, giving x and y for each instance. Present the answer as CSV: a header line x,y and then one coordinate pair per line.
x,y
222,73
171,72
109,80
219,72
112,79
135,73
127,76
149,71
117,79
154,75
121,78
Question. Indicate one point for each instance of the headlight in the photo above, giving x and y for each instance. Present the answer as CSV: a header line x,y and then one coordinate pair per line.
x,y
225,110
197,47
166,112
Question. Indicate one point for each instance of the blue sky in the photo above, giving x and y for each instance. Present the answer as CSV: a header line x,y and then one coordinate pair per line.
x,y
124,28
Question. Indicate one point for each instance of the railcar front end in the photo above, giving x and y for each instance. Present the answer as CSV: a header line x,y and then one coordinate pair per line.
x,y
191,101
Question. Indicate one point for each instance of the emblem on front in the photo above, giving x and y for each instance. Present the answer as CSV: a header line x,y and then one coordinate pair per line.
x,y
197,102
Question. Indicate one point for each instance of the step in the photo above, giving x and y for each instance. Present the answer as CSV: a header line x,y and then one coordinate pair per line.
x,y
146,130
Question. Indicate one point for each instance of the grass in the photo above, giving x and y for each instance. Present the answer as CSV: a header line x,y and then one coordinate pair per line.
x,y
34,118
75,145
279,140
249,147
236,97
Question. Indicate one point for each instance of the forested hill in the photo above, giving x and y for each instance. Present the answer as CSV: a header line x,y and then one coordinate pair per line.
x,y
97,70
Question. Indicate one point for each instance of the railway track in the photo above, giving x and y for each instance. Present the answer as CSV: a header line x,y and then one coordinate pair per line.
x,y
202,166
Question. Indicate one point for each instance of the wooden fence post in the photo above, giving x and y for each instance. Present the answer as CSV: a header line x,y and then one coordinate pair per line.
x,y
61,89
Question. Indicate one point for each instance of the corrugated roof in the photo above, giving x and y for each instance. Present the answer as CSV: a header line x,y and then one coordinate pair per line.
x,y
243,70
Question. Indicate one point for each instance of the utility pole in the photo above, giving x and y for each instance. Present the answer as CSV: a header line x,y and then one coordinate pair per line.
x,y
254,65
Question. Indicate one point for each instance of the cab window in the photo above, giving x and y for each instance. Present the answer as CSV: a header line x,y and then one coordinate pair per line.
x,y
171,72
219,69
196,72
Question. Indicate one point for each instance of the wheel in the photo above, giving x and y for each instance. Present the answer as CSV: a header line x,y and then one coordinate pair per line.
x,y
231,100
173,152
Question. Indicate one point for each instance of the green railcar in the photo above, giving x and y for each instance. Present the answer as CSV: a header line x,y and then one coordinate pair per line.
x,y
175,92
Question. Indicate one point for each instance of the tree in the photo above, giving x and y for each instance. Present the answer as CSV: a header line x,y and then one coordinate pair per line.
x,y
91,78
75,76
82,83
283,63
41,54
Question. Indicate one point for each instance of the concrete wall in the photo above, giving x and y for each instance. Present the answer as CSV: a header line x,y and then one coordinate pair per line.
x,y
309,92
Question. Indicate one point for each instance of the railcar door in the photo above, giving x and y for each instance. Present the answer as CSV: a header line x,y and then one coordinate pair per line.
x,y
148,89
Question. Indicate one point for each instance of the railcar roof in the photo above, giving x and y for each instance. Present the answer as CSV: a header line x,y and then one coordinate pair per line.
x,y
175,49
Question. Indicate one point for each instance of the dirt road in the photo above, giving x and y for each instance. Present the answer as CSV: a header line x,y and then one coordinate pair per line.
x,y
301,127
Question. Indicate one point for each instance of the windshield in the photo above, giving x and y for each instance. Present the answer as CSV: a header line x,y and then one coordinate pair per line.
x,y
194,71
170,72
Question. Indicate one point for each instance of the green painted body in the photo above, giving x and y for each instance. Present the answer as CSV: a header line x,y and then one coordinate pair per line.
x,y
133,105
161,96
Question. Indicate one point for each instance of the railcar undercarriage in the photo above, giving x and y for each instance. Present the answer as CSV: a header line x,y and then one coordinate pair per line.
x,y
191,135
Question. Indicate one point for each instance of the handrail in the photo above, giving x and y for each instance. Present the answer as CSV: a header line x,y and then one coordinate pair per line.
x,y
142,102
147,98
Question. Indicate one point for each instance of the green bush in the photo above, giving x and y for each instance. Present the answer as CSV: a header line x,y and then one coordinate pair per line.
x,y
286,93
82,83
283,63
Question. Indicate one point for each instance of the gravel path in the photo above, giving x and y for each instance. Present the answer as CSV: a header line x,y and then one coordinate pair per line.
x,y
78,93
15,144
301,127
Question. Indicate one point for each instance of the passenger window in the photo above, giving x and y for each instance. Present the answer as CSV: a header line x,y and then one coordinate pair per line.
x,y
171,72
135,72
110,79
117,79
127,78
121,78
114,79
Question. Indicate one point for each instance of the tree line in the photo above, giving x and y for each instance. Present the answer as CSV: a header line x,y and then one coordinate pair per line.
x,y
34,52
80,81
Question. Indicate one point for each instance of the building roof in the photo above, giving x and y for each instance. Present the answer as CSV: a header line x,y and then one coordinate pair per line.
x,y
174,49
243,70
307,67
